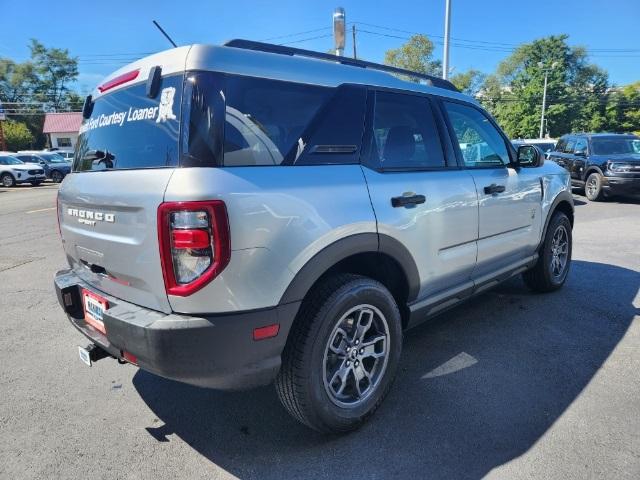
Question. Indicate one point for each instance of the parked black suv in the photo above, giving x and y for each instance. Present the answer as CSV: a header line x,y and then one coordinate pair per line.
x,y
604,164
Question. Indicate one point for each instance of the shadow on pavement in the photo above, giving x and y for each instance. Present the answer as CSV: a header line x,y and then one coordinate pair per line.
x,y
511,363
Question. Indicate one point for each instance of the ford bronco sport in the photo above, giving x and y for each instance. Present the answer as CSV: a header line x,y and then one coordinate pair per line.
x,y
604,164
250,213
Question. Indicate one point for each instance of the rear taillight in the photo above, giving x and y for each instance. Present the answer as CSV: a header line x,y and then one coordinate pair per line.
x,y
194,244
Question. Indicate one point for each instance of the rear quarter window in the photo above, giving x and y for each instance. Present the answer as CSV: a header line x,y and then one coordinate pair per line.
x,y
265,119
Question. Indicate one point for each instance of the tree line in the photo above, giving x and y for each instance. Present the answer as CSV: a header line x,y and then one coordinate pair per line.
x,y
580,96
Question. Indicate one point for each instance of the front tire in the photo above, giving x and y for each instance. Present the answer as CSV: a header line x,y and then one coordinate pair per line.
x,y
552,267
342,354
593,187
7,180
56,176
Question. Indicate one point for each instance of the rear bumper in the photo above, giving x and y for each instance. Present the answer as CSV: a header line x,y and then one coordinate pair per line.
x,y
214,351
621,185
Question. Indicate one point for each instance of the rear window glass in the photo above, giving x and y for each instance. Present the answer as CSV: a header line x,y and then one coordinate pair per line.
x,y
129,130
265,119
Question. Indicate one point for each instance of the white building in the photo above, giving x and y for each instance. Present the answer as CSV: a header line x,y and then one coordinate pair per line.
x,y
62,129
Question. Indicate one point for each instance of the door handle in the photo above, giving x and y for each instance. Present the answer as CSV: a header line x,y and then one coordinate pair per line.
x,y
493,188
405,201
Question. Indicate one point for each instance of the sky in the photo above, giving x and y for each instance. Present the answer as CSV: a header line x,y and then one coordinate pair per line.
x,y
107,35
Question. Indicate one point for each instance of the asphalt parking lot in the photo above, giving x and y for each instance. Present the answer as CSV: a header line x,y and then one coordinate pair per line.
x,y
510,385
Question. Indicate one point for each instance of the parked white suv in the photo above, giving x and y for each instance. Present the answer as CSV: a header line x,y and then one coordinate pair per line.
x,y
14,171
249,213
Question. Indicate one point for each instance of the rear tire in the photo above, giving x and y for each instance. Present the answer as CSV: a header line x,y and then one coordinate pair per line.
x,y
593,187
342,354
7,180
36,184
552,267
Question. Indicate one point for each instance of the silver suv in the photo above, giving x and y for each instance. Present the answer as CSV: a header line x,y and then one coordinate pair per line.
x,y
250,213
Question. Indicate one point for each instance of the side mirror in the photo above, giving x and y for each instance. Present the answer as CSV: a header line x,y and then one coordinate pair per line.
x,y
529,156
580,153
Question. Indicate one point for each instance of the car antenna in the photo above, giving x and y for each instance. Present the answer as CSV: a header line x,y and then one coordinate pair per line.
x,y
165,34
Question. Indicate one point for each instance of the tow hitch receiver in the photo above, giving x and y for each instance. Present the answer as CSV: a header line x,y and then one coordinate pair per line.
x,y
92,353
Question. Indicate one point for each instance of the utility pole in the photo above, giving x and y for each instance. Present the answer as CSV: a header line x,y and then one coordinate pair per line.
x,y
447,25
353,32
544,93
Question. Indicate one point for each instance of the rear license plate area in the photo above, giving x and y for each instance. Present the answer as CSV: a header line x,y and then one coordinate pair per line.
x,y
94,307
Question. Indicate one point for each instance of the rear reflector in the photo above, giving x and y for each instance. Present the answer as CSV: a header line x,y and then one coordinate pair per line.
x,y
269,331
129,357
119,80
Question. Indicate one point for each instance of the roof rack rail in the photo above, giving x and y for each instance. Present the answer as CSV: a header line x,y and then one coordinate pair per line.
x,y
271,48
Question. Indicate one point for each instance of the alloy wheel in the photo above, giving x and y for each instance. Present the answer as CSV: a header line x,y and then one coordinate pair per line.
x,y
559,252
592,186
356,356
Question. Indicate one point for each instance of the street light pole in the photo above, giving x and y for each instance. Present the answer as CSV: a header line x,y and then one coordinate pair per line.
x,y
544,94
447,25
544,102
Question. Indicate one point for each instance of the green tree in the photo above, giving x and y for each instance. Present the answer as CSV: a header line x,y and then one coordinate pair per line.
x,y
469,82
623,108
17,135
576,90
415,55
55,70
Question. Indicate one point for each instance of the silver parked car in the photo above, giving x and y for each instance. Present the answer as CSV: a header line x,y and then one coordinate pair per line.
x,y
14,171
250,213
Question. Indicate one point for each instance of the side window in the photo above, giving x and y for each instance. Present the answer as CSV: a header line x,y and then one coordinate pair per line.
x,y
266,118
480,142
571,143
580,146
562,143
404,133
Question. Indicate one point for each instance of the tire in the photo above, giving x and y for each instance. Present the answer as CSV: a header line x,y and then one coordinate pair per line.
x,y
56,176
593,187
36,184
310,362
551,270
7,180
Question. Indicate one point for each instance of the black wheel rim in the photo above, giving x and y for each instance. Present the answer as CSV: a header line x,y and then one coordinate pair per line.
x,y
356,356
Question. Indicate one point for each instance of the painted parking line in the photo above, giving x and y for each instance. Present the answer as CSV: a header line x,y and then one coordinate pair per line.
x,y
41,210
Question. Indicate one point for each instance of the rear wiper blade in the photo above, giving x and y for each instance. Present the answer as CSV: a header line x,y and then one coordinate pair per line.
x,y
101,160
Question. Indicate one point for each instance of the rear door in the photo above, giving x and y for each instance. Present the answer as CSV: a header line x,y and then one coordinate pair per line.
x,y
108,207
420,199
509,207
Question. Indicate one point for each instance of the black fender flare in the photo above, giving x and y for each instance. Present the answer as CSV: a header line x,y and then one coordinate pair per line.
x,y
564,196
589,169
344,248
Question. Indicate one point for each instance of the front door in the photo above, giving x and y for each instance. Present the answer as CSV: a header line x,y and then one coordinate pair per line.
x,y
509,199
